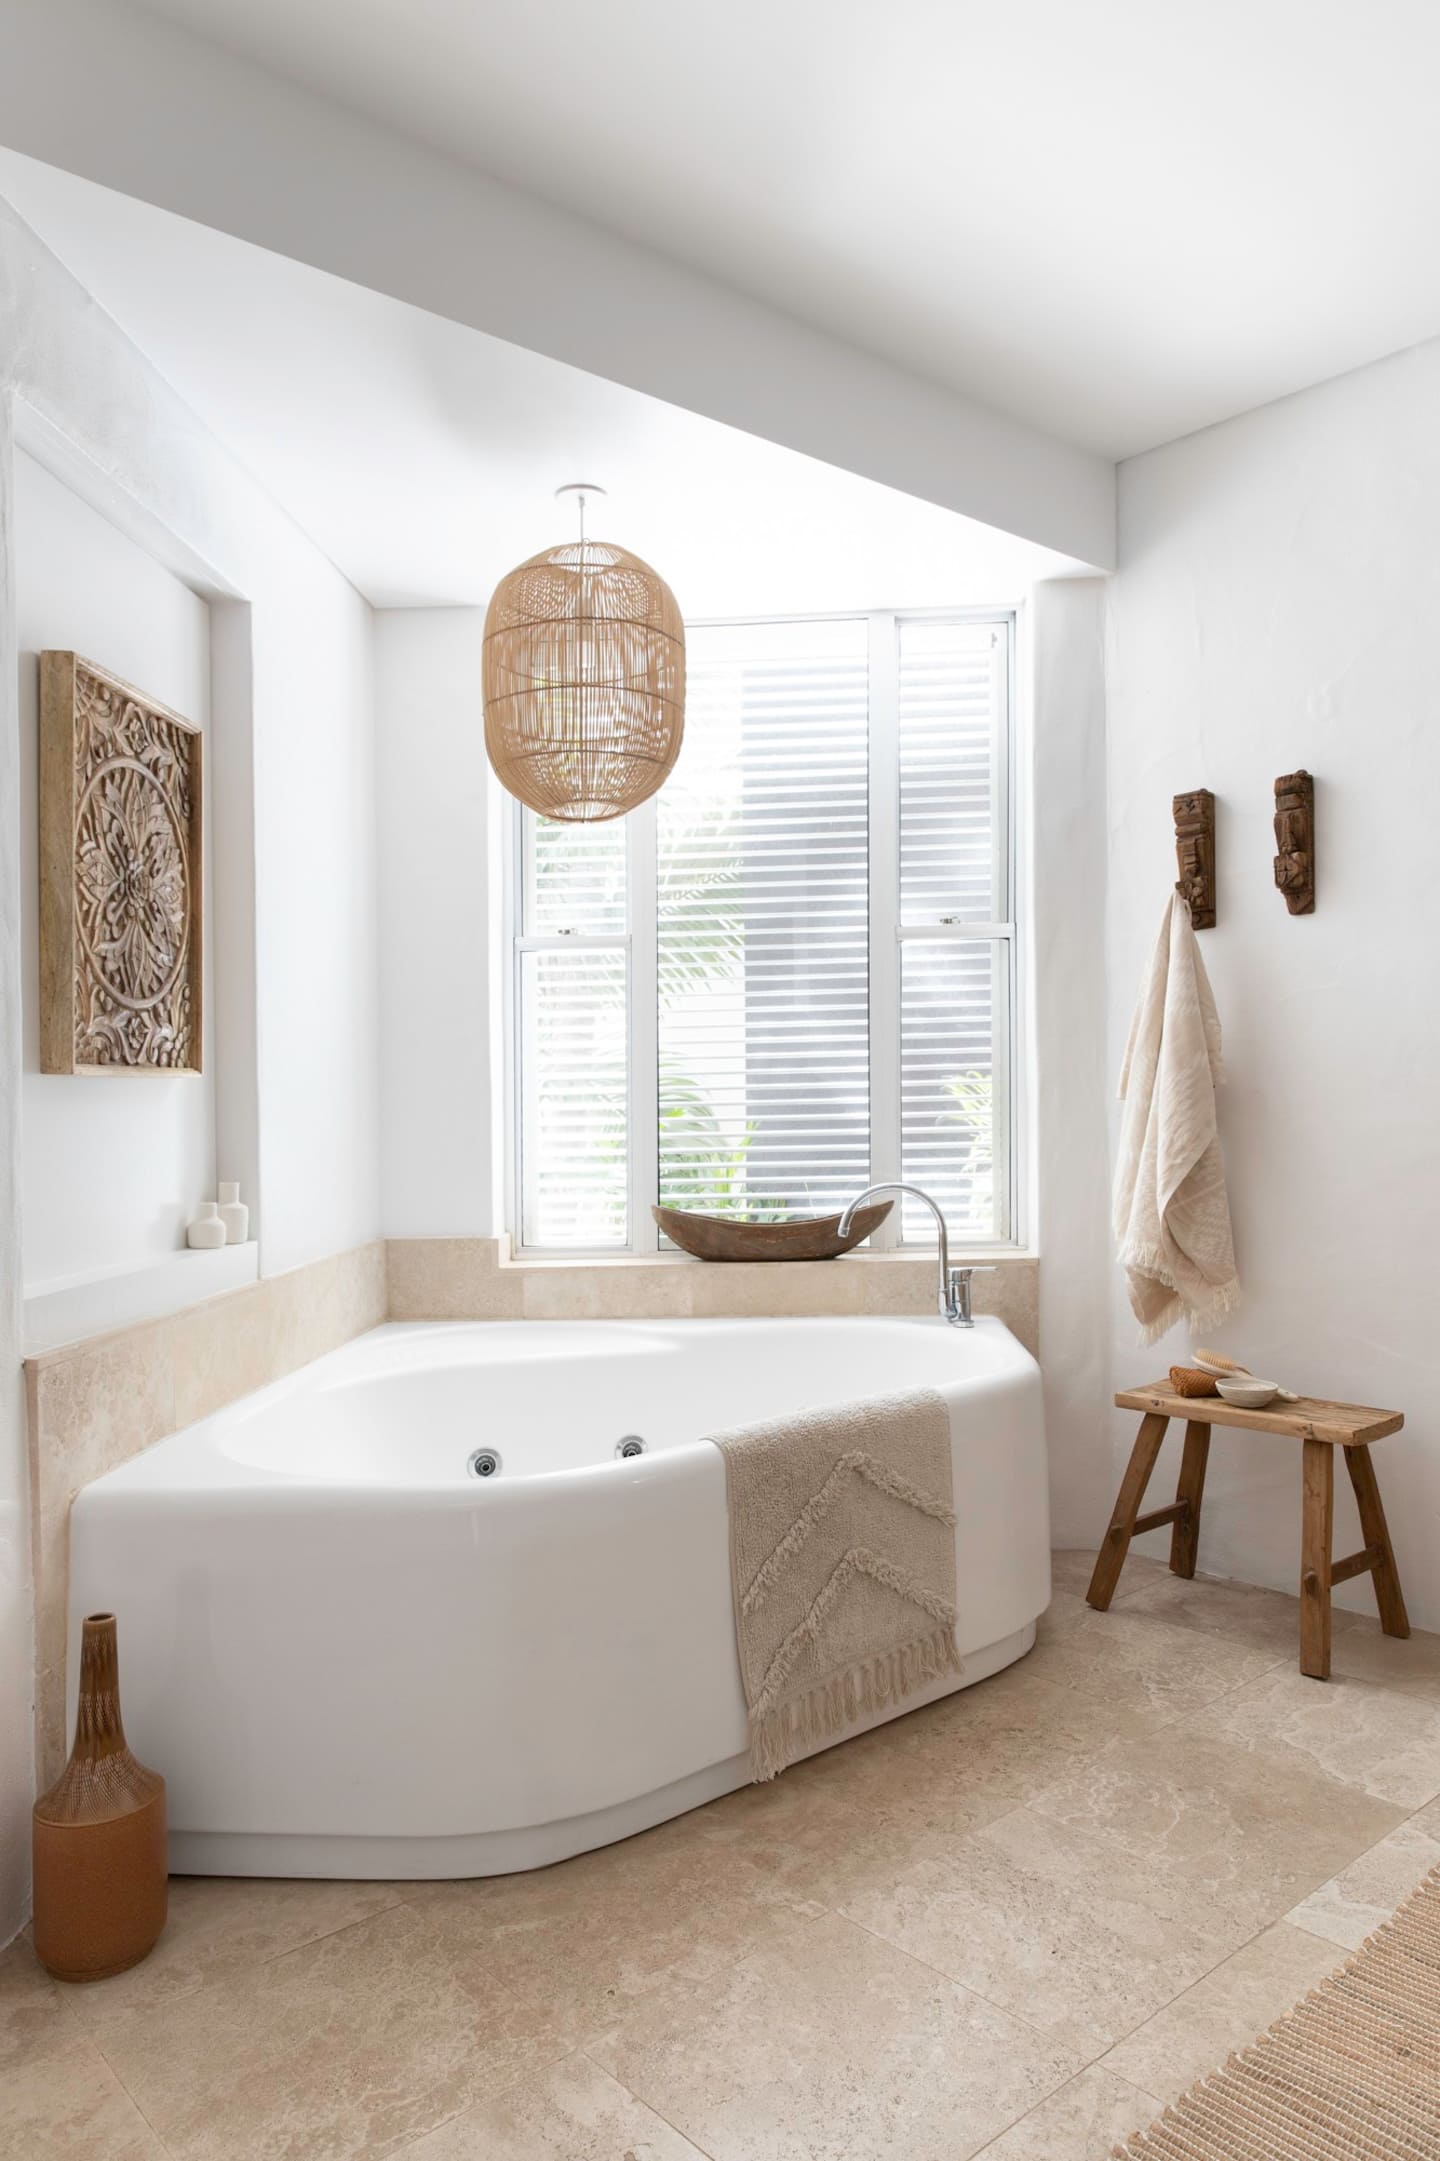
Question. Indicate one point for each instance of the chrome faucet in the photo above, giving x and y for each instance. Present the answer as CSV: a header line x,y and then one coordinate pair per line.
x,y
953,1299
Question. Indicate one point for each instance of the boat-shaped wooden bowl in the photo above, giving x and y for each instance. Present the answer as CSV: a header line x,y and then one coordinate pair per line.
x,y
810,1238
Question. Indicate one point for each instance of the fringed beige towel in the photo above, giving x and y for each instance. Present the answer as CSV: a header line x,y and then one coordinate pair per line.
x,y
842,1559
1171,1212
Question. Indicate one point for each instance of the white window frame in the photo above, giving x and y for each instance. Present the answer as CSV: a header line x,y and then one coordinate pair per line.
x,y
888,935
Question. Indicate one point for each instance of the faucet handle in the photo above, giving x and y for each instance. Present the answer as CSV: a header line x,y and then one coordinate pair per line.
x,y
957,1290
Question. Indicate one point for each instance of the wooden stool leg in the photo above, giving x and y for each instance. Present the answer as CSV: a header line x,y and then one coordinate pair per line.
x,y
1185,1538
1111,1558
1317,1526
1376,1533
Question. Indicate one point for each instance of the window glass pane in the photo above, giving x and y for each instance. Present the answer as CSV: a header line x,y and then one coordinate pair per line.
x,y
572,1077
763,927
952,1087
951,744
575,876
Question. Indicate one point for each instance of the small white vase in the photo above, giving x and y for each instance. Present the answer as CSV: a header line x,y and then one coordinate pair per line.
x,y
233,1214
207,1231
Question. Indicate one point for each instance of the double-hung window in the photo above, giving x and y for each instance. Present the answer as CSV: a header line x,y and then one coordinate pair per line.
x,y
791,973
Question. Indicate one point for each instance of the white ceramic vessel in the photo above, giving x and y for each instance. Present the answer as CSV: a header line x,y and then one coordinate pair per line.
x,y
207,1231
234,1213
351,1656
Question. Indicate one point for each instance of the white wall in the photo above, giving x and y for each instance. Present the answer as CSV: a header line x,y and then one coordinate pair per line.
x,y
16,1627
1065,785
296,915
1277,607
436,870
351,197
115,1166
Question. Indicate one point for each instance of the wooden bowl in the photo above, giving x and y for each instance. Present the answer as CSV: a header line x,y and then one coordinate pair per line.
x,y
811,1238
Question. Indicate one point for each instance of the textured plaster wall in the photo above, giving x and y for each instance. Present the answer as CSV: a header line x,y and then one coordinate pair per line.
x,y
1277,607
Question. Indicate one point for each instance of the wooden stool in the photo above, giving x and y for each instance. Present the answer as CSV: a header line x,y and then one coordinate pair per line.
x,y
1323,1427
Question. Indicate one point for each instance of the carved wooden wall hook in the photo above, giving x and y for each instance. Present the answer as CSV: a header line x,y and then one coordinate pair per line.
x,y
1295,841
1195,854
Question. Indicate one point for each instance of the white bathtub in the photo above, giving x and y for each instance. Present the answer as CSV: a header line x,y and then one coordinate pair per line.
x,y
350,1656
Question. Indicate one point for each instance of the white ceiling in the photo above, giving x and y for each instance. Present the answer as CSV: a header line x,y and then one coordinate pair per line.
x,y
1119,220
422,455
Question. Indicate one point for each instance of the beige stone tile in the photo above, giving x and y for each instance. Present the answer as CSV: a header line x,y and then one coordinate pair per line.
x,y
69,2106
1030,1930
899,1285
1072,1567
572,2112
831,2046
1265,1621
613,1291
346,2047
976,1754
34,2021
1137,1659
1382,1741
1078,1859
1353,1904
618,1923
1227,2010
1081,2122
325,1303
746,1289
219,1926
1247,1837
1013,1293
451,1279
810,1844
90,1409
907,1283
957,1764
1362,1652
222,1350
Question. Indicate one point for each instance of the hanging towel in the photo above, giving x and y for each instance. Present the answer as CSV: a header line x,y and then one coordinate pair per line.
x,y
842,1564
1171,1214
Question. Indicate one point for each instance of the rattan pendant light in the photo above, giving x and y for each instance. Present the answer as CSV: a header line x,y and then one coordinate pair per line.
x,y
584,679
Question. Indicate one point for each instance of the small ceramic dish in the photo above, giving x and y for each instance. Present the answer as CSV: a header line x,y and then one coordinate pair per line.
x,y
1249,1394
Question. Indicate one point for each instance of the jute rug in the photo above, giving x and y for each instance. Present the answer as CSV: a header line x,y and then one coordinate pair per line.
x,y
1351,2074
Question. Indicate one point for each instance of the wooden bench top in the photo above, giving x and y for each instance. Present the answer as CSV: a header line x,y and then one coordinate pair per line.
x,y
1345,1425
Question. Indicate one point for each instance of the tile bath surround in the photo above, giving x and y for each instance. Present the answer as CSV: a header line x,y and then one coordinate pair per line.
x,y
452,1279
94,1404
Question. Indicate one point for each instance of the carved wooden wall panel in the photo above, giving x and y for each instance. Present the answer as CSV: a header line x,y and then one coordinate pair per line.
x,y
1194,816
1295,840
121,877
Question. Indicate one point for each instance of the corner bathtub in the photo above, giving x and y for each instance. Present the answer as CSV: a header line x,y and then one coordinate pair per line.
x,y
352,1656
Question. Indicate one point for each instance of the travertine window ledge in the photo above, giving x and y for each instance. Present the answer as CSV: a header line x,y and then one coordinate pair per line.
x,y
474,1279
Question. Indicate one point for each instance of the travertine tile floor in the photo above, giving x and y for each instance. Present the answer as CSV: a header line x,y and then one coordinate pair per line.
x,y
1012,1924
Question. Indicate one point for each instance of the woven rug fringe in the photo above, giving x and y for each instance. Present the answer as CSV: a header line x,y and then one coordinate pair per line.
x,y
1351,2074
861,1691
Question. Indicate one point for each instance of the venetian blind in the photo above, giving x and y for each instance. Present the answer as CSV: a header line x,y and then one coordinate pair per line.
x,y
762,925
954,880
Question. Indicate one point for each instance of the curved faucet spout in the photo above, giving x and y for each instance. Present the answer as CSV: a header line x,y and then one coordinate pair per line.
x,y
954,1296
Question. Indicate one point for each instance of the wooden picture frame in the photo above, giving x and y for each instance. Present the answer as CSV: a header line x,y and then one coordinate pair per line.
x,y
121,876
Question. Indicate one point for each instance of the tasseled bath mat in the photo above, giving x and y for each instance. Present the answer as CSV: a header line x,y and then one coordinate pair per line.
x,y
842,1561
1351,2074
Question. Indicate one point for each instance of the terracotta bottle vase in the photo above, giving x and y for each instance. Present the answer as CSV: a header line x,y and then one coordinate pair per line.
x,y
101,1875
